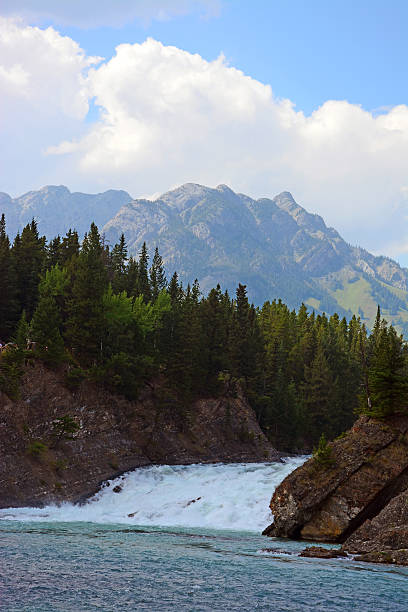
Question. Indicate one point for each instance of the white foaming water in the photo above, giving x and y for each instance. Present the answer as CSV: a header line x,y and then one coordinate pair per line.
x,y
218,496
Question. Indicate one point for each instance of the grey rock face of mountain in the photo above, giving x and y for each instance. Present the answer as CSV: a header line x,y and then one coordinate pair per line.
x,y
56,209
274,246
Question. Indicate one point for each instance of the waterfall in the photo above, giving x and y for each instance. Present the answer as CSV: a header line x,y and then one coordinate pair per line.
x,y
215,496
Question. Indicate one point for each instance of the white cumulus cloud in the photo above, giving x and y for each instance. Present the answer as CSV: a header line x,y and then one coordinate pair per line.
x,y
44,97
168,116
44,68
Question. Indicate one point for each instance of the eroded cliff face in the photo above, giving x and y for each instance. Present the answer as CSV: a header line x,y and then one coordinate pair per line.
x,y
359,500
115,435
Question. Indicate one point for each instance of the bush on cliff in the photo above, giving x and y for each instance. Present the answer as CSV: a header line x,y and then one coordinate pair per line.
x,y
11,371
64,428
323,454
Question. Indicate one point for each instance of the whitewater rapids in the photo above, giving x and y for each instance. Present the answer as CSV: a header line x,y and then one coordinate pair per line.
x,y
217,496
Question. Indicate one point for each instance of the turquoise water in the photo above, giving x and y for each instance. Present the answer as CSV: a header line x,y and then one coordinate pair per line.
x,y
198,549
89,566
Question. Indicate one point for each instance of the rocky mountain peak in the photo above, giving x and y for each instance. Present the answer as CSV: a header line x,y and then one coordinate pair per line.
x,y
54,190
286,201
43,197
225,189
56,209
310,221
185,196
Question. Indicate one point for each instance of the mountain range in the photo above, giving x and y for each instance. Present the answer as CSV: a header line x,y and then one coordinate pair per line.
x,y
274,246
57,210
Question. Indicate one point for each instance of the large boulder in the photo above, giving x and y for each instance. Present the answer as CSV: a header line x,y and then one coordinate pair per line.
x,y
329,501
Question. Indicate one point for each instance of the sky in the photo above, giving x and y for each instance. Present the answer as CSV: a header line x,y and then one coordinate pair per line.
x,y
307,96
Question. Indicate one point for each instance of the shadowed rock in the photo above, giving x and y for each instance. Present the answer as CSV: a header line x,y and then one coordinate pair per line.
x,y
361,500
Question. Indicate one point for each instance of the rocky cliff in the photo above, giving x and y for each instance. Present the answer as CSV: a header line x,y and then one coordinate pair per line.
x,y
357,496
37,466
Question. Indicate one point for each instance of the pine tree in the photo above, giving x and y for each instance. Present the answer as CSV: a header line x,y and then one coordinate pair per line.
x,y
11,361
45,331
118,261
144,284
168,334
302,316
175,290
69,247
22,332
131,279
245,338
323,454
187,363
214,322
85,325
158,280
46,323
8,305
28,254
344,365
387,374
53,252
377,322
318,396
240,358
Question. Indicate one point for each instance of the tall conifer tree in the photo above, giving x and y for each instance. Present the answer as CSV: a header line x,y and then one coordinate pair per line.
x,y
28,254
8,306
69,247
85,325
158,280
144,284
118,261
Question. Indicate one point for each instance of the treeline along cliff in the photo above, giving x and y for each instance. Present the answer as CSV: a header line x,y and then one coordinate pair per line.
x,y
88,311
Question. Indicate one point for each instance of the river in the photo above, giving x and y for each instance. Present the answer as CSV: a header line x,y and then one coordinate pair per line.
x,y
179,538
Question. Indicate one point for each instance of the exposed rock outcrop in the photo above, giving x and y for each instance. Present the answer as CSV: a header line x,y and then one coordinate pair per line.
x,y
115,435
322,553
360,499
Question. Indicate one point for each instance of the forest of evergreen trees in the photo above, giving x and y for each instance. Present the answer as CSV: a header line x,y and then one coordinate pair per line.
x,y
91,311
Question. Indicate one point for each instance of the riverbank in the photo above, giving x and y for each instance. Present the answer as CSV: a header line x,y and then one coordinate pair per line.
x,y
39,464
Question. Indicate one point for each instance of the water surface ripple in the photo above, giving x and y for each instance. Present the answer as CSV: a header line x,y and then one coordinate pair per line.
x,y
56,559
